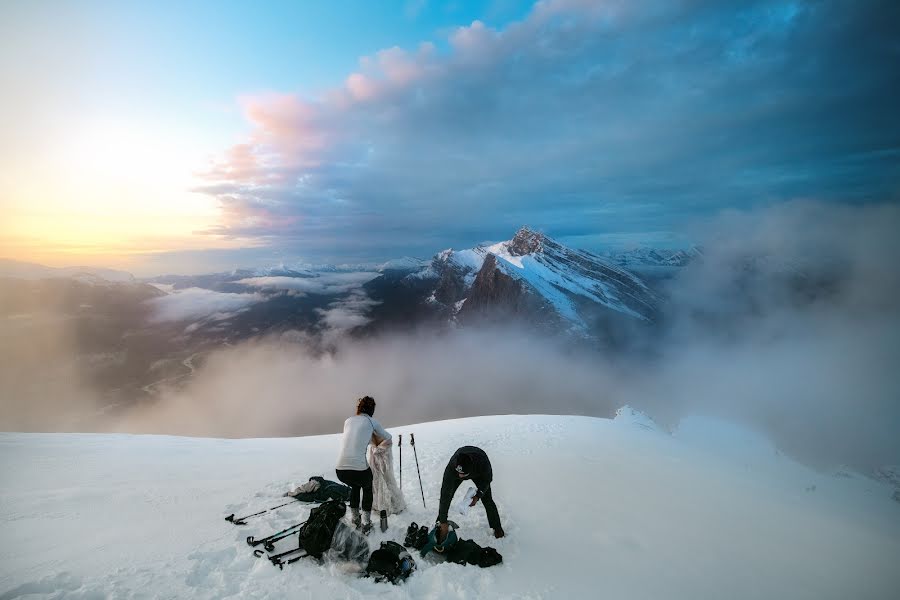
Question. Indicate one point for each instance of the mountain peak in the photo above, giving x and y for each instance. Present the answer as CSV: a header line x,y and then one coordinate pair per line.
x,y
526,241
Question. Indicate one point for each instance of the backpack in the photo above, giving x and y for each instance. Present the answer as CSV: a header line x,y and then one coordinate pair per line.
x,y
489,557
315,535
390,562
467,552
464,552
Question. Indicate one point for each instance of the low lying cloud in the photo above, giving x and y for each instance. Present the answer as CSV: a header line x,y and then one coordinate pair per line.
x,y
324,283
199,303
413,377
788,323
344,315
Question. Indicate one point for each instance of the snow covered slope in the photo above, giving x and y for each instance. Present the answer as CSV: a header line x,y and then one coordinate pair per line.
x,y
593,508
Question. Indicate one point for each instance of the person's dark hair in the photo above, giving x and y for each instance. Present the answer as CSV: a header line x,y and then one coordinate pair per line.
x,y
366,404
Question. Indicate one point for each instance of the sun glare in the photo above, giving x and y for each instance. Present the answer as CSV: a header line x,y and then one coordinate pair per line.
x,y
109,188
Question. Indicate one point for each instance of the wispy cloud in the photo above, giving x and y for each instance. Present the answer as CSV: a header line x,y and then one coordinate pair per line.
x,y
199,303
584,117
325,283
342,316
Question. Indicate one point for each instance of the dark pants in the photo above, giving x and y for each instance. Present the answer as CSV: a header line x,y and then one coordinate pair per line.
x,y
449,486
358,480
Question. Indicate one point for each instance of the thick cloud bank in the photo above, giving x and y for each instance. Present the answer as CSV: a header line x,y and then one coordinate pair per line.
x,y
790,322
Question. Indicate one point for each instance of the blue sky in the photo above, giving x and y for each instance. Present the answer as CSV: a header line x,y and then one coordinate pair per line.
x,y
357,131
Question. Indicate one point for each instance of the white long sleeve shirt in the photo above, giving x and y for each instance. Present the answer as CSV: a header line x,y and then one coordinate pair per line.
x,y
358,432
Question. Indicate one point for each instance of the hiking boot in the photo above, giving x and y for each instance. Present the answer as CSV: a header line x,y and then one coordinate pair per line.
x,y
384,523
355,519
498,532
411,533
421,538
366,522
366,528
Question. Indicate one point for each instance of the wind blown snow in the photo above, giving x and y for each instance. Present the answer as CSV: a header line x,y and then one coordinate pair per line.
x,y
592,508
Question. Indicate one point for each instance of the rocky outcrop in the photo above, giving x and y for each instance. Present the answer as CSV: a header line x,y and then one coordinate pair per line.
x,y
493,289
496,297
451,286
526,242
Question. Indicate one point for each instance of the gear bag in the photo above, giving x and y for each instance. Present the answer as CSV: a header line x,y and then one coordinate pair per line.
x,y
468,552
316,534
390,562
489,557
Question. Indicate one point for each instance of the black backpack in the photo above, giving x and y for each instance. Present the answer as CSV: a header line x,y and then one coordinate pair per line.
x,y
489,557
391,562
464,552
467,552
316,533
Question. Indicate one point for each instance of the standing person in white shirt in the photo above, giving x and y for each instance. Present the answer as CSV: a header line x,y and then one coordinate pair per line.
x,y
352,467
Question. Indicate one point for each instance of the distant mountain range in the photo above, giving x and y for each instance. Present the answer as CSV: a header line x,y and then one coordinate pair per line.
x,y
31,271
133,337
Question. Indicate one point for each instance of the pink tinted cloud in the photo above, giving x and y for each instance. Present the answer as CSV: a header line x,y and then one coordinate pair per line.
x,y
389,70
361,87
288,134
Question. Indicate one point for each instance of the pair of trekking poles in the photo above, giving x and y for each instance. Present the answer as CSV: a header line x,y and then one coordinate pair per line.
x,y
412,442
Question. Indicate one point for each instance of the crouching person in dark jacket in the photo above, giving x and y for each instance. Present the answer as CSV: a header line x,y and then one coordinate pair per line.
x,y
472,463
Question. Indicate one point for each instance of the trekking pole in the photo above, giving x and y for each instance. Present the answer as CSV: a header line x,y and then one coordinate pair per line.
x,y
270,539
243,520
401,460
412,442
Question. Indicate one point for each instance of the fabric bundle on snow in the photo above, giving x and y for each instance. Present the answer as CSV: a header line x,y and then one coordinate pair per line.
x,y
348,544
386,494
319,489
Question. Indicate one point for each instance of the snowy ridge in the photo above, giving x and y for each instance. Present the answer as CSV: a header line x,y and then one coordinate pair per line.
x,y
560,274
586,503
407,263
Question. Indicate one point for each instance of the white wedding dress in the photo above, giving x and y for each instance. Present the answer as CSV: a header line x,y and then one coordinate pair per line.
x,y
387,495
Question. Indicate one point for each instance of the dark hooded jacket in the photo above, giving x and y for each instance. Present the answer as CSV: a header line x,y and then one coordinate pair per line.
x,y
479,471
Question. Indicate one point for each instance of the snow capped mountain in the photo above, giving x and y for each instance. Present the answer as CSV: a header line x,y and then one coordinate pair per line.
x,y
533,275
407,263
